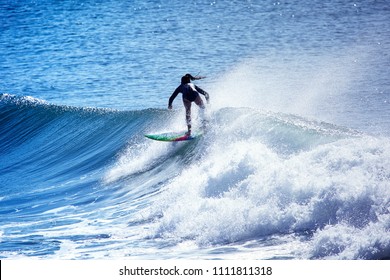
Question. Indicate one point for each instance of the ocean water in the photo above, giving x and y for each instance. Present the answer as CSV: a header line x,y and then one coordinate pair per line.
x,y
295,162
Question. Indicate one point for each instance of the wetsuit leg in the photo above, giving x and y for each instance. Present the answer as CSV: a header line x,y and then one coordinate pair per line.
x,y
199,102
187,106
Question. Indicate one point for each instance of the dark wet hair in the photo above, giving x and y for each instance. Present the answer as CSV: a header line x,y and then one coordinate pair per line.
x,y
187,78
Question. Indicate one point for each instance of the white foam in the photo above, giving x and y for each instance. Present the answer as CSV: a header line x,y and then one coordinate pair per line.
x,y
245,190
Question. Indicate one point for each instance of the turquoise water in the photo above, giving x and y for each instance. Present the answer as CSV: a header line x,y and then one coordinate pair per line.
x,y
294,165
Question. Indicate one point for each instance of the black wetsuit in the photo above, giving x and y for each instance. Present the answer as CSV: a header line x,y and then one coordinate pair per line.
x,y
190,92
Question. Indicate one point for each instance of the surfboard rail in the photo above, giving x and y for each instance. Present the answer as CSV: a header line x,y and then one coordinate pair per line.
x,y
173,136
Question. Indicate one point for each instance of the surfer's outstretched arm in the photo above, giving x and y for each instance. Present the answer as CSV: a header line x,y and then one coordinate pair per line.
x,y
173,96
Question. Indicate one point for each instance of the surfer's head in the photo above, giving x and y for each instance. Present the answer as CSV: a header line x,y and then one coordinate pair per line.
x,y
187,78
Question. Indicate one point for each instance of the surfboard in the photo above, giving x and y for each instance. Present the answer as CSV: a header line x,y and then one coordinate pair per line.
x,y
173,136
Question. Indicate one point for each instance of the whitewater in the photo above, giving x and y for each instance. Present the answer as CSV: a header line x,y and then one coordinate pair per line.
x,y
294,163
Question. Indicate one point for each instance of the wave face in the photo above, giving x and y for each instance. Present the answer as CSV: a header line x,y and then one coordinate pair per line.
x,y
80,183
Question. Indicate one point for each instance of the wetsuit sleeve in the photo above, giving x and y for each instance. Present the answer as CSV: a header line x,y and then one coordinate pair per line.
x,y
173,96
202,92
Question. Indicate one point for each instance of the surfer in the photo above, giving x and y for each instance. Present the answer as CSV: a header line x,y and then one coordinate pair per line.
x,y
190,94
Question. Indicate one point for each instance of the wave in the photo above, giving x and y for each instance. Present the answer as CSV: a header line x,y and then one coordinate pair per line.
x,y
267,175
303,188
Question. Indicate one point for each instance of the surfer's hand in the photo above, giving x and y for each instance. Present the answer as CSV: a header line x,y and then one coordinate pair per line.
x,y
170,107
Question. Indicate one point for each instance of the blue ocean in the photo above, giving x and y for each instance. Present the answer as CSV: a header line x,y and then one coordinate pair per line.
x,y
294,163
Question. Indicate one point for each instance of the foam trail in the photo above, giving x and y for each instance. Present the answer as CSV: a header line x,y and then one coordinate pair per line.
x,y
136,158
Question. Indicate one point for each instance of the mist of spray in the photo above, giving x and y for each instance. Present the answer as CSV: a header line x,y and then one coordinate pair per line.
x,y
309,86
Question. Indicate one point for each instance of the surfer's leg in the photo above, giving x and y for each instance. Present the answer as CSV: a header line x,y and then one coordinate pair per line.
x,y
199,102
187,106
